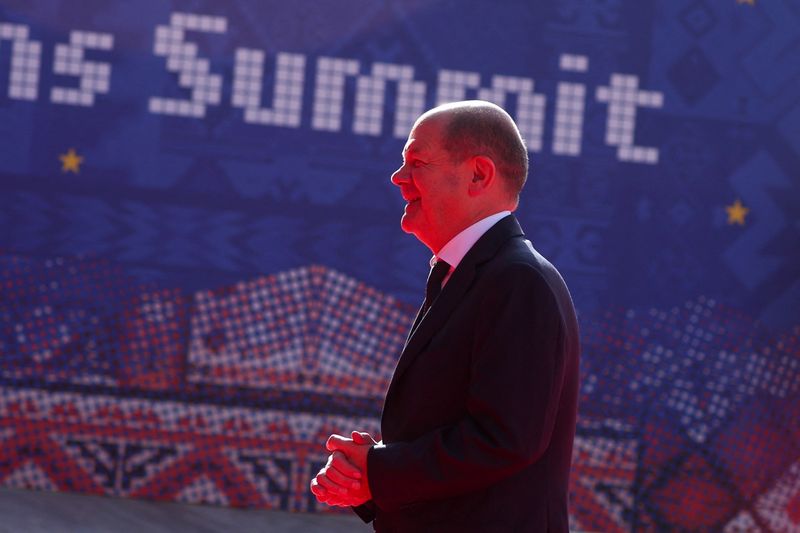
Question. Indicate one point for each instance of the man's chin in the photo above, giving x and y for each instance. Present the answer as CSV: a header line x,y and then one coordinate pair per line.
x,y
406,224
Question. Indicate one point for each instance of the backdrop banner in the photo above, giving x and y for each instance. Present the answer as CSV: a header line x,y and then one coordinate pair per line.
x,y
202,273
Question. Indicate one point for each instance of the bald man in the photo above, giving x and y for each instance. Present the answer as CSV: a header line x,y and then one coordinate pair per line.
x,y
479,418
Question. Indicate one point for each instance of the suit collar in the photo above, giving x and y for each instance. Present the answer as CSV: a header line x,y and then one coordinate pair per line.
x,y
454,251
461,279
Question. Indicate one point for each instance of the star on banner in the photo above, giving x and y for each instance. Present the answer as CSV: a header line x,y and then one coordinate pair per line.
x,y
750,2
71,161
736,212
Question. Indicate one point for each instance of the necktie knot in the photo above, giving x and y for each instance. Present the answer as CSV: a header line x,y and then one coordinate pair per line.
x,y
435,279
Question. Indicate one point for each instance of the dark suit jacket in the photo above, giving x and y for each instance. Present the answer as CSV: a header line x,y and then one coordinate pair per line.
x,y
479,418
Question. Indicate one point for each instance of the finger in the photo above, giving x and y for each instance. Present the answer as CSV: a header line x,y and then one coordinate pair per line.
x,y
340,462
319,492
327,498
340,479
329,463
337,442
348,469
323,496
358,437
329,485
338,501
362,437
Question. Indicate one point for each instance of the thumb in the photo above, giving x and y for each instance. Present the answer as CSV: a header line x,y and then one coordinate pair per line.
x,y
336,442
361,437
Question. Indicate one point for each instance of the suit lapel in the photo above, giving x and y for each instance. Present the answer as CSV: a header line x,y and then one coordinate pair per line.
x,y
414,326
453,292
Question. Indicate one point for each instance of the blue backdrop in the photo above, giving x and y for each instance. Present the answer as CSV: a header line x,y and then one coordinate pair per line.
x,y
195,195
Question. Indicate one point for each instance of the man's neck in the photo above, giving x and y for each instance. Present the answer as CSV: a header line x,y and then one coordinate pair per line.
x,y
476,217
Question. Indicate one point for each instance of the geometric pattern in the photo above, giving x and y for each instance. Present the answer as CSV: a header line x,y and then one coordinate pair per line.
x,y
780,506
139,448
688,415
689,419
603,475
293,327
309,329
144,398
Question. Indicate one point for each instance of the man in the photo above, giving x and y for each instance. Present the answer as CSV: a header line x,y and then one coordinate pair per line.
x,y
479,418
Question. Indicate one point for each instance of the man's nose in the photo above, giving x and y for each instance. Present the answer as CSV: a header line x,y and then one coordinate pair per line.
x,y
400,176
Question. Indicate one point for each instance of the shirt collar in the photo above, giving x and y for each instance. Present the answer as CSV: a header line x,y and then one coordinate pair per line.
x,y
455,250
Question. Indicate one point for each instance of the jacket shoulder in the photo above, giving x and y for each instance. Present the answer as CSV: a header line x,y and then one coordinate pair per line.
x,y
517,261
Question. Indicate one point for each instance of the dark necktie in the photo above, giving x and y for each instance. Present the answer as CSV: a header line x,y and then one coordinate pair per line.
x,y
434,285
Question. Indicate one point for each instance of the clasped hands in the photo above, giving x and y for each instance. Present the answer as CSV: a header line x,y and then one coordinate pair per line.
x,y
343,479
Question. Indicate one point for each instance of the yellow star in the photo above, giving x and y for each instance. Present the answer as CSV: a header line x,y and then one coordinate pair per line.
x,y
736,212
71,162
750,2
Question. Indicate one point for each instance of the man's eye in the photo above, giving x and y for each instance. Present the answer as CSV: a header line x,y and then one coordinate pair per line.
x,y
417,163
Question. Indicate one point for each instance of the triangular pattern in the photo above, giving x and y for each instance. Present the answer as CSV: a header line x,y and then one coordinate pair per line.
x,y
742,523
202,490
29,476
780,506
271,472
118,465
310,328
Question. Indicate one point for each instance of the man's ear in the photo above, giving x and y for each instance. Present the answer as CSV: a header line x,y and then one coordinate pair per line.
x,y
484,174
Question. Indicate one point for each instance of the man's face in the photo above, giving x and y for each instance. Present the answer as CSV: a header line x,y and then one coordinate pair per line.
x,y
432,185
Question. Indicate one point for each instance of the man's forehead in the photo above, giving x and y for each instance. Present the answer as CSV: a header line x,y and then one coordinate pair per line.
x,y
412,144
422,135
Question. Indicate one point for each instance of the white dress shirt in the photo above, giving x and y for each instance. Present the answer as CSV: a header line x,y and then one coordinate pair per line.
x,y
457,247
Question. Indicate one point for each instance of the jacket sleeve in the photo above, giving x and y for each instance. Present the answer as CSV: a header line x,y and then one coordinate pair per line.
x,y
517,366
365,511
